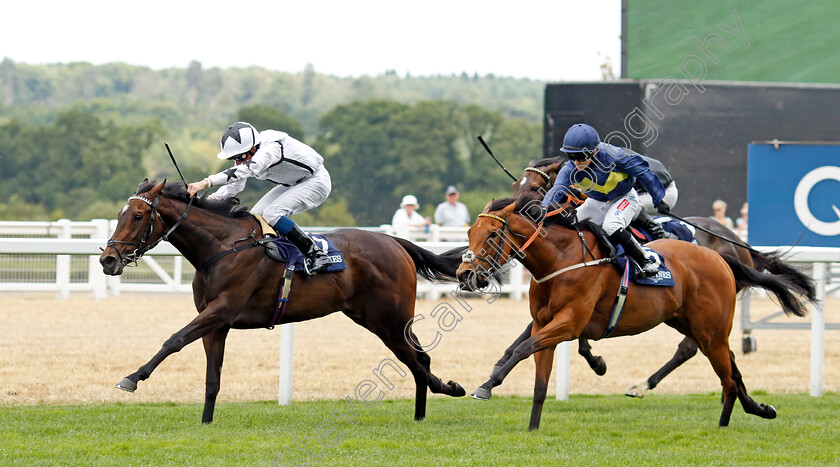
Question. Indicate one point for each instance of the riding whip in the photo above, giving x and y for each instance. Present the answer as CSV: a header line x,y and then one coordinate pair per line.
x,y
176,164
480,139
742,245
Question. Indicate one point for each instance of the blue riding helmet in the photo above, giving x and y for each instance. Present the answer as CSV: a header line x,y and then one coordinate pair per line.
x,y
580,137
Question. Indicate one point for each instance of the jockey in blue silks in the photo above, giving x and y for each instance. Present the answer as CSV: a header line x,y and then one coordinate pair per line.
x,y
607,173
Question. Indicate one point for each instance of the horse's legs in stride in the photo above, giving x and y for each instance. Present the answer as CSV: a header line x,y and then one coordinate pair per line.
x,y
686,350
201,325
750,406
509,351
558,330
718,355
214,350
596,362
543,359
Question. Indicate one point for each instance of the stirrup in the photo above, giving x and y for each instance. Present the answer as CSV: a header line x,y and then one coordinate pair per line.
x,y
315,264
642,273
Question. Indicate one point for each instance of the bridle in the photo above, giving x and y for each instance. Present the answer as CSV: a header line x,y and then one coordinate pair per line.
x,y
130,260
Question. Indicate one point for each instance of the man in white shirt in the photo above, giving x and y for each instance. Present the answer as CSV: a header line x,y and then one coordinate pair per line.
x,y
451,213
407,213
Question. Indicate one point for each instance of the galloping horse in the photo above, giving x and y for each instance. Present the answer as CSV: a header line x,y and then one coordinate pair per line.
x,y
535,182
377,290
576,299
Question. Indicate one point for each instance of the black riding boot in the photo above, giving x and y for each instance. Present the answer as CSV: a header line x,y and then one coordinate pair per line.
x,y
316,259
644,267
644,220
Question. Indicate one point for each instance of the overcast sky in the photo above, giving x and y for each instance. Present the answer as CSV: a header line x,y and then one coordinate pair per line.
x,y
550,40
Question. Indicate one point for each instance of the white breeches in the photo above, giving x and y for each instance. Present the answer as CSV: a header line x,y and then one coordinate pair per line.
x,y
671,195
290,200
613,215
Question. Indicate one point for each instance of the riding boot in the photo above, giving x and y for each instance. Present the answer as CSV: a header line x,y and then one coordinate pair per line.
x,y
634,251
644,220
316,259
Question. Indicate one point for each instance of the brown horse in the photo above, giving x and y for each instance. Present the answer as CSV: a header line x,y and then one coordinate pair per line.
x,y
236,286
535,182
578,301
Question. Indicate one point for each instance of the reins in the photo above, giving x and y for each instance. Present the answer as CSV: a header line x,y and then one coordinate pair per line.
x,y
469,256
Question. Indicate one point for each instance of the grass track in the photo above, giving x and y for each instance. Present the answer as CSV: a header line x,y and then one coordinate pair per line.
x,y
604,430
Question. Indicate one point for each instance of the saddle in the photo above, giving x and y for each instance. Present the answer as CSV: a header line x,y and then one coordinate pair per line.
x,y
282,250
662,279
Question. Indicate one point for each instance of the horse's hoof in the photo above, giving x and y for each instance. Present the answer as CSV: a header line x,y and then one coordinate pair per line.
x,y
420,419
637,391
601,368
769,411
126,385
458,390
481,394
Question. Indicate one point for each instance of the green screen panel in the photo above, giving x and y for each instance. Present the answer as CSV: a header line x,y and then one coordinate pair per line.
x,y
771,40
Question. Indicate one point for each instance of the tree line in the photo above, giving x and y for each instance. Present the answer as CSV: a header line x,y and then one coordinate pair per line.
x,y
82,165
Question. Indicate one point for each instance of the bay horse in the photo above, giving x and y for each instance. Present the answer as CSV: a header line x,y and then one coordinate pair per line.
x,y
377,290
578,301
533,185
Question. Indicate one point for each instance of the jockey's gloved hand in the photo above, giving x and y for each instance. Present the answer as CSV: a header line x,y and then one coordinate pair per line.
x,y
663,208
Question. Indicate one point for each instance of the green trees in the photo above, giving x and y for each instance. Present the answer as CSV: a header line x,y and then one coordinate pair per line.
x,y
378,151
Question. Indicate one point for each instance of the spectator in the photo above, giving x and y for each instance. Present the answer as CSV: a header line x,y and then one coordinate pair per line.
x,y
407,213
452,213
741,223
719,209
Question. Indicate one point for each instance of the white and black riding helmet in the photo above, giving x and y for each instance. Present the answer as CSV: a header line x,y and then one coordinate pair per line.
x,y
237,139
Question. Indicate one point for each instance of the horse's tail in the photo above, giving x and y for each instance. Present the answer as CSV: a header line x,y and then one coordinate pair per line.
x,y
772,263
784,286
436,268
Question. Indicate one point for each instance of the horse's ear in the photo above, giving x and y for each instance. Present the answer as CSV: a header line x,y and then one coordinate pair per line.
x,y
487,206
156,190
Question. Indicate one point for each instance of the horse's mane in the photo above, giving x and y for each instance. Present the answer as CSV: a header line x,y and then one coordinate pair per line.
x,y
531,209
546,161
226,207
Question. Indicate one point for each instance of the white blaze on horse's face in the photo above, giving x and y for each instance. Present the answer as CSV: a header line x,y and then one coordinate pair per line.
x,y
124,209
522,183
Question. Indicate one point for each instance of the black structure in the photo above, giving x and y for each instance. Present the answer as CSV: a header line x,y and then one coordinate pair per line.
x,y
699,130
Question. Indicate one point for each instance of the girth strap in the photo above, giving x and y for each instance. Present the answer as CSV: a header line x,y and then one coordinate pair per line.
x,y
283,296
619,301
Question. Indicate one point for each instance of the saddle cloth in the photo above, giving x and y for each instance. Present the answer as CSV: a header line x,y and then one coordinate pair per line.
x,y
683,231
292,255
663,278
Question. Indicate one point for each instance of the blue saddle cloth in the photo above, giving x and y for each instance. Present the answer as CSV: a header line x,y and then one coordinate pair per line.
x,y
663,278
682,230
294,257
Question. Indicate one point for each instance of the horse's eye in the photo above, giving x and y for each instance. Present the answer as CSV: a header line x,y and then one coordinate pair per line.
x,y
138,216
535,188
493,234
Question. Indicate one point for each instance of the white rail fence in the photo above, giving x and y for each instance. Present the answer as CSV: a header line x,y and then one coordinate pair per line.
x,y
63,257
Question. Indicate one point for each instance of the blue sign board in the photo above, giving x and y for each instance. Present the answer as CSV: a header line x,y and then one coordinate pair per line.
x,y
794,194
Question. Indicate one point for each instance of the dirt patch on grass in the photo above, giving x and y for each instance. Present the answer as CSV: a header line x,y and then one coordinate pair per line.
x,y
74,351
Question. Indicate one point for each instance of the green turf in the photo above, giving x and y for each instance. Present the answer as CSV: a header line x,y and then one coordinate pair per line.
x,y
596,430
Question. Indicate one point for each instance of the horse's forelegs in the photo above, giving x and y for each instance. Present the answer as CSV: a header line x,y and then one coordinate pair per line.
x,y
543,360
596,362
509,351
214,350
686,350
558,330
202,325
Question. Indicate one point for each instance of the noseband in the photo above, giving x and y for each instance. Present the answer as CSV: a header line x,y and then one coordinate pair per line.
x,y
141,248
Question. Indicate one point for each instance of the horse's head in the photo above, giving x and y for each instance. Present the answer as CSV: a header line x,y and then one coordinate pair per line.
x,y
496,239
535,182
139,228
